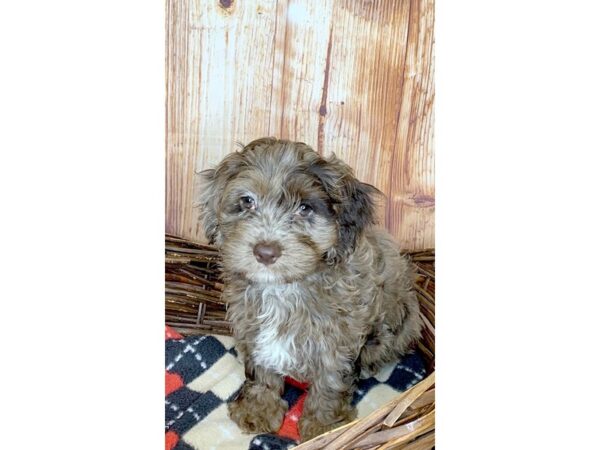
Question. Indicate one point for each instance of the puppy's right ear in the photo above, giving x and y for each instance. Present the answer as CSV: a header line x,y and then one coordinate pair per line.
x,y
207,199
209,187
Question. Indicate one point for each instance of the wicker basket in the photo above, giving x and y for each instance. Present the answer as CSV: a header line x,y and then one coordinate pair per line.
x,y
193,306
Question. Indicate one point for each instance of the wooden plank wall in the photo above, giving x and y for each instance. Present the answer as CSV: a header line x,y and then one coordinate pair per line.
x,y
354,77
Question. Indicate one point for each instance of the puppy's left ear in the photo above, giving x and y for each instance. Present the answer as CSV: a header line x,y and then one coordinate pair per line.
x,y
357,212
353,201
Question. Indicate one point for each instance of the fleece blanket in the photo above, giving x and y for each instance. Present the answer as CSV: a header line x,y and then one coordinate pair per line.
x,y
203,374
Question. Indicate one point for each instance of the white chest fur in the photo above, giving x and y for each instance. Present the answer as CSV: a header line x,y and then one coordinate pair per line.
x,y
276,345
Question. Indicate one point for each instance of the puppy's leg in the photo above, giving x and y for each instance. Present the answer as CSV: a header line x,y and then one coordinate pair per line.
x,y
327,405
259,407
408,328
378,349
401,326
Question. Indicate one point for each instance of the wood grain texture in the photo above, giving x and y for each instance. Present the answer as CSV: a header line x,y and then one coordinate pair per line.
x,y
350,77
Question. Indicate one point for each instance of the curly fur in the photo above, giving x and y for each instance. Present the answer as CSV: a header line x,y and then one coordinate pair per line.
x,y
337,301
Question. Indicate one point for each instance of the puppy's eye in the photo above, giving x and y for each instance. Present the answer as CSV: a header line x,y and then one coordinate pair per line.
x,y
304,210
247,202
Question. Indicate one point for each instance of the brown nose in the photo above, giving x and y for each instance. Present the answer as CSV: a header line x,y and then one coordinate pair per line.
x,y
267,252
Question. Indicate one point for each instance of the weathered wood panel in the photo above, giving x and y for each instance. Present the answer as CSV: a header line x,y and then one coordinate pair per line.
x,y
350,77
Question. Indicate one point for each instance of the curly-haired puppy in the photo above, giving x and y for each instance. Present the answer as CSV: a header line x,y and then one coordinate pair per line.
x,y
314,292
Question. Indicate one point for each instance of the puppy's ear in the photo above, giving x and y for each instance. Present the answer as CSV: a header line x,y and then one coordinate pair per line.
x,y
206,197
208,191
353,201
357,213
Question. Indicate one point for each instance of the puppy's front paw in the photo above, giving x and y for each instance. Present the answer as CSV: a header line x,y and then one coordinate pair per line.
x,y
258,413
310,426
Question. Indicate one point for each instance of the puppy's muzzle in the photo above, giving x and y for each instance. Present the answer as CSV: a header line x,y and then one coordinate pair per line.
x,y
267,252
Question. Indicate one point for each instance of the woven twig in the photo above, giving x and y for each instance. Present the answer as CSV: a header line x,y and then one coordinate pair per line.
x,y
193,288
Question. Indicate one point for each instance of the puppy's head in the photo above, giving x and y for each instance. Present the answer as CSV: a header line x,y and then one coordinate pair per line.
x,y
277,210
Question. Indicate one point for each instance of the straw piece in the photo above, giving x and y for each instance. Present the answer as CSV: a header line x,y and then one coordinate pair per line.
x,y
177,259
412,414
324,439
362,425
352,444
425,294
401,434
426,399
407,398
425,442
424,271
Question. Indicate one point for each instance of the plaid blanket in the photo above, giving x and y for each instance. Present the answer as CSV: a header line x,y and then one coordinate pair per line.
x,y
203,374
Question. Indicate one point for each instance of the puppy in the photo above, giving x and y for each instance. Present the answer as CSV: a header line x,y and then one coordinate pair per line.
x,y
314,291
